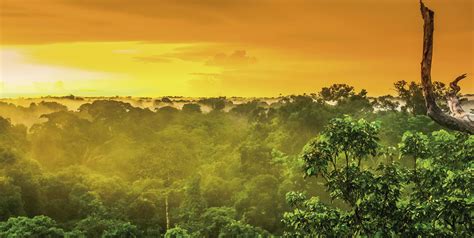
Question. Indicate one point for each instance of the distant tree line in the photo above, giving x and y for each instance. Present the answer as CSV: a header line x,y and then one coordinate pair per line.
x,y
334,163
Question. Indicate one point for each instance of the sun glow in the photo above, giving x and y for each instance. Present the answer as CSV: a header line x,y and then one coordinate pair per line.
x,y
251,48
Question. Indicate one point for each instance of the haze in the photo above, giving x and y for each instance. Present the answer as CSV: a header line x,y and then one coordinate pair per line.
x,y
224,48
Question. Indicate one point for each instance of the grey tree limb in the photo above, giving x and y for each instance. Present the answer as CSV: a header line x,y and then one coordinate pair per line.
x,y
459,120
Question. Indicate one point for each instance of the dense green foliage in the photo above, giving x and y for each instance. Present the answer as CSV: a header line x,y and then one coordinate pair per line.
x,y
110,169
431,198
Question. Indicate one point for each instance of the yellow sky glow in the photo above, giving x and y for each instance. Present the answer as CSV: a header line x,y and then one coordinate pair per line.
x,y
224,48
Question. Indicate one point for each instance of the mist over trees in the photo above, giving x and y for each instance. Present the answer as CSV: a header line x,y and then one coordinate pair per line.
x,y
334,162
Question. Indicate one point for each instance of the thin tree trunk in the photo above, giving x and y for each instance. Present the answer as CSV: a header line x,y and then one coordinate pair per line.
x,y
167,213
433,111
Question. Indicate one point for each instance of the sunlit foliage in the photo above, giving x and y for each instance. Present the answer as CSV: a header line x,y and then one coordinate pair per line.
x,y
217,168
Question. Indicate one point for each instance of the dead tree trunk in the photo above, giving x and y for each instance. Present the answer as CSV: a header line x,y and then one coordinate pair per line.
x,y
458,120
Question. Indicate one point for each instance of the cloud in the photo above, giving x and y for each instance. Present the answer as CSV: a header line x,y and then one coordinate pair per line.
x,y
382,39
192,53
153,59
298,23
237,58
209,75
344,29
125,51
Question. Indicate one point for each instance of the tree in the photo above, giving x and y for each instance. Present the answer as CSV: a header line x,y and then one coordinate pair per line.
x,y
412,95
106,109
191,107
143,211
346,98
13,138
216,104
215,219
168,110
177,232
239,229
254,156
303,114
193,206
459,120
166,100
386,103
337,92
432,198
122,229
254,110
440,202
258,203
53,106
94,226
38,226
11,203
63,140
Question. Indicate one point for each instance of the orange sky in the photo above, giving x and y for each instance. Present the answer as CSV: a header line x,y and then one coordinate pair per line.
x,y
225,48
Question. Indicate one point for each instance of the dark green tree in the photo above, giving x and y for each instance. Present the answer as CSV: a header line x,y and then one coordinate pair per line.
x,y
191,107
36,227
433,197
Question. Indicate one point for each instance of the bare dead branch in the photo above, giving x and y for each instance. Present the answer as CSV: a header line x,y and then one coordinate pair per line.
x,y
454,84
458,120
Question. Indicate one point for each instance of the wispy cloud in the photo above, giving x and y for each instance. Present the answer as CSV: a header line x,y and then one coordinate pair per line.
x,y
153,59
235,59
125,51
